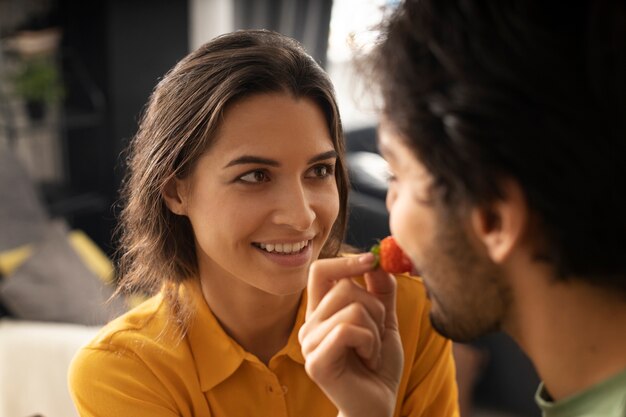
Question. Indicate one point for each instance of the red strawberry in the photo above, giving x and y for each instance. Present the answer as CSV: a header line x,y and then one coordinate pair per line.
x,y
390,257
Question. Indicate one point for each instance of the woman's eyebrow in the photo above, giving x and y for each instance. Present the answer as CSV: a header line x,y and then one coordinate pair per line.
x,y
251,159
325,155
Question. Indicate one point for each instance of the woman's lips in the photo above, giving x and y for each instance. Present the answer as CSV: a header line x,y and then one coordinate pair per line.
x,y
291,259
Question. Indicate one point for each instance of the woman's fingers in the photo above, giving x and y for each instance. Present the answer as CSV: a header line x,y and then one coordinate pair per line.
x,y
350,338
325,272
334,348
383,286
352,316
344,293
336,301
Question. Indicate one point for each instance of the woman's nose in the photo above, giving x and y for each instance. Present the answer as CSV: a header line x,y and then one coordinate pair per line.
x,y
295,207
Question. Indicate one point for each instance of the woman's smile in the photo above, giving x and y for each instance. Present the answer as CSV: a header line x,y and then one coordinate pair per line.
x,y
285,248
286,254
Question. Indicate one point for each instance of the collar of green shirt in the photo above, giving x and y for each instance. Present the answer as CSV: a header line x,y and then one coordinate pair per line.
x,y
607,399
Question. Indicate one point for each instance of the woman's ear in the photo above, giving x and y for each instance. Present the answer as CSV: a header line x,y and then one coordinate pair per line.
x,y
175,196
501,224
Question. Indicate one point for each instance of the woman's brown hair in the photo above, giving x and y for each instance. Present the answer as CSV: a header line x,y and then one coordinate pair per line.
x,y
179,124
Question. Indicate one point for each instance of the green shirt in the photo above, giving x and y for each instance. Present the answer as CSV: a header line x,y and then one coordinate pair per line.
x,y
606,399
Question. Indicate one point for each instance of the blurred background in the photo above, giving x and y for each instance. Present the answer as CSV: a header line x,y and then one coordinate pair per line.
x,y
89,67
74,77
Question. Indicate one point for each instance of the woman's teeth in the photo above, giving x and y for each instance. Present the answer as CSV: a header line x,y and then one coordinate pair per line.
x,y
284,247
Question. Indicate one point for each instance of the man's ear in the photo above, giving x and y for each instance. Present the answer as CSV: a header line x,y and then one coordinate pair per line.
x,y
501,224
175,196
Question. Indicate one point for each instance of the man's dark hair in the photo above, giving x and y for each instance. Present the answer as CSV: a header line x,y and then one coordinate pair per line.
x,y
530,90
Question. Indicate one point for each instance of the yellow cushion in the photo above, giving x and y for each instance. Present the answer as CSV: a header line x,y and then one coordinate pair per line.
x,y
11,259
93,257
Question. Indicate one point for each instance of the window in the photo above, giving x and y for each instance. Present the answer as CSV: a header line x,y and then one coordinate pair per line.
x,y
353,28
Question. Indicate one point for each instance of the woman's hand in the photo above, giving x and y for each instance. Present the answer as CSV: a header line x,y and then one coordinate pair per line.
x,y
350,339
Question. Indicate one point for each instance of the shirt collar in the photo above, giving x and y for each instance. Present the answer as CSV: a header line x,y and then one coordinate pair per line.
x,y
598,397
216,354
543,398
293,348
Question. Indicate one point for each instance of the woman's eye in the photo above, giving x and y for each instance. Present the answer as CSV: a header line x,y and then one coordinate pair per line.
x,y
254,177
322,170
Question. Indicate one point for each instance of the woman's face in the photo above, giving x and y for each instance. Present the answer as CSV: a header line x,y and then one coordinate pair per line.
x,y
263,199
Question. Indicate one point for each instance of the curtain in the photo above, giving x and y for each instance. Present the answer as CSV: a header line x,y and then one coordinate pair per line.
x,y
308,21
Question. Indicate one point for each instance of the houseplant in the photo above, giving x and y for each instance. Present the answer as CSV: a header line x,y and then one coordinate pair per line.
x,y
38,82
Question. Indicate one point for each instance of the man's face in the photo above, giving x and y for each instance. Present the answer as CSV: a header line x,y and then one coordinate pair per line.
x,y
468,292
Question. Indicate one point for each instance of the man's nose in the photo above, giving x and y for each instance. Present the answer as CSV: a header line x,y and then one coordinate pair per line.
x,y
390,198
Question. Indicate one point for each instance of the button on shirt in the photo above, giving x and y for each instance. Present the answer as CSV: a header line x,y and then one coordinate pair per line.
x,y
139,365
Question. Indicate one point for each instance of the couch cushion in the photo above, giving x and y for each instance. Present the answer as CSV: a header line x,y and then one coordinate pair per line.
x,y
54,284
91,254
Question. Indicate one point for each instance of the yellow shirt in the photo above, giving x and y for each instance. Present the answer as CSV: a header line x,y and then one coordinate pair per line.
x,y
138,367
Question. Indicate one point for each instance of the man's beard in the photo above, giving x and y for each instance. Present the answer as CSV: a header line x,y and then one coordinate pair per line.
x,y
468,289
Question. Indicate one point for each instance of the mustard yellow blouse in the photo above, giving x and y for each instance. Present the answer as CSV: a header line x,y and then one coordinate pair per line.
x,y
137,366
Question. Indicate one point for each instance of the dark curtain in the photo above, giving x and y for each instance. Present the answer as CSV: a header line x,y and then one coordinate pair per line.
x,y
308,21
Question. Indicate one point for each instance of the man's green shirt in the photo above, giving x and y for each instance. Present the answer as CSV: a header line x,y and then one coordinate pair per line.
x,y
606,399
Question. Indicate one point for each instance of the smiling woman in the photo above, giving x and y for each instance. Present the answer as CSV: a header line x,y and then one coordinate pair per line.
x,y
236,185
278,191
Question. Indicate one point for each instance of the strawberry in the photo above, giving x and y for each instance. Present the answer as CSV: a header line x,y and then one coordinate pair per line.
x,y
390,256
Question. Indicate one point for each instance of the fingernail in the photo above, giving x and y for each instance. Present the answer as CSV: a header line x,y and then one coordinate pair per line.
x,y
367,258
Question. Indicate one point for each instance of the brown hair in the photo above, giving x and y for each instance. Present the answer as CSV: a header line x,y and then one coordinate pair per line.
x,y
179,124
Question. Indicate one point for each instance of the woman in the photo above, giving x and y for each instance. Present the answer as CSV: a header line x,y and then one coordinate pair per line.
x,y
236,184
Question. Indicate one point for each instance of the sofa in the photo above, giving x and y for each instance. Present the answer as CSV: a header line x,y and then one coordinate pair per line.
x,y
34,358
55,294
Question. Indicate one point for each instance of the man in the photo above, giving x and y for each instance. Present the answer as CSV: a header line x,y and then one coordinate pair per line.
x,y
504,124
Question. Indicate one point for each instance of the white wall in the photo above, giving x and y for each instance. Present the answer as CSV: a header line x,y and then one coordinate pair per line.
x,y
209,18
